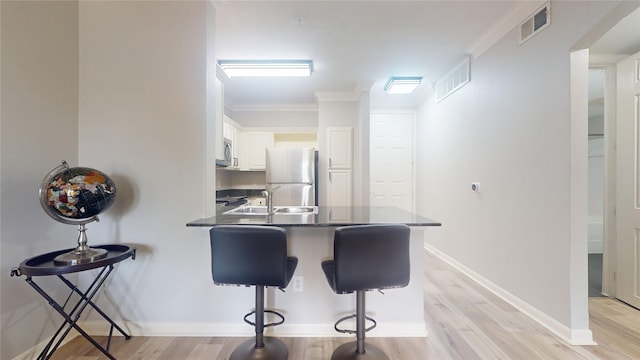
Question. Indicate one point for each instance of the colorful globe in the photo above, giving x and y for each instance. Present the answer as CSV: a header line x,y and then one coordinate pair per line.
x,y
76,195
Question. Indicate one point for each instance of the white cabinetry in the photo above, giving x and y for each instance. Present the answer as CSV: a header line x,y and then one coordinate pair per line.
x,y
340,185
254,142
257,143
340,146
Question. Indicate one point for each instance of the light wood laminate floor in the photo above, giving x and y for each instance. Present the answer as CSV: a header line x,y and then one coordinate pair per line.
x,y
464,322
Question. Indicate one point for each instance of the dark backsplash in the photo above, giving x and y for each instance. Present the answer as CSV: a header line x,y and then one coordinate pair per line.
x,y
238,192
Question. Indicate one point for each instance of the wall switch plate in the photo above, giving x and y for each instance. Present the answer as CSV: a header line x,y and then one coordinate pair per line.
x,y
297,283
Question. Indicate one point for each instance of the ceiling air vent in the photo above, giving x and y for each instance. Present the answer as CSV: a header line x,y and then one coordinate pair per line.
x,y
454,80
535,23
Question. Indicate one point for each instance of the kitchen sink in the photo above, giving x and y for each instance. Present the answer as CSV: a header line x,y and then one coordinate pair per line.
x,y
277,210
247,210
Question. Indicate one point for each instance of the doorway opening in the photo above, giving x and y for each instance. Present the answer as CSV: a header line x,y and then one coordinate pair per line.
x,y
611,151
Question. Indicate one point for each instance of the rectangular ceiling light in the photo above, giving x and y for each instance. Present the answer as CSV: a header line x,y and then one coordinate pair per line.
x,y
402,85
266,67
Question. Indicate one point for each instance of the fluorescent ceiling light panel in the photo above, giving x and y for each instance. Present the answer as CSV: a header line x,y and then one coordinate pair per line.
x,y
402,85
266,67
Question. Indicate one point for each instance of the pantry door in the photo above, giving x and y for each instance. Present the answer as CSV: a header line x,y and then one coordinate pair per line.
x,y
392,165
628,181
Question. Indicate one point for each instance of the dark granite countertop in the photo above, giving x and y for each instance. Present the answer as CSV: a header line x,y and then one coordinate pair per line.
x,y
326,216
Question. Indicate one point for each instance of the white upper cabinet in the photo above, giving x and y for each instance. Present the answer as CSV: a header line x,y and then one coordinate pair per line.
x,y
257,143
340,147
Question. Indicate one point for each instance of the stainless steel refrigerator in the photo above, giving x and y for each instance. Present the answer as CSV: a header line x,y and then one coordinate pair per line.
x,y
292,176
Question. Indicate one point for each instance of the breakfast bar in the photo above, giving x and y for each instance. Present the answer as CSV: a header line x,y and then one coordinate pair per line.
x,y
312,308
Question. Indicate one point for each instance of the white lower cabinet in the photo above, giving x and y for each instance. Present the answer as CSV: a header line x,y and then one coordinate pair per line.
x,y
340,197
340,185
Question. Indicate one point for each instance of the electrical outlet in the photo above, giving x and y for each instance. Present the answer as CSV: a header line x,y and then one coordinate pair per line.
x,y
297,283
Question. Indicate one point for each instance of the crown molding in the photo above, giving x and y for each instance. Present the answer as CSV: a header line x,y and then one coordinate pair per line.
x,y
345,96
274,107
222,76
337,96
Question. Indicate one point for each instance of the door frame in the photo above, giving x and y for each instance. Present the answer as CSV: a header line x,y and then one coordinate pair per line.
x,y
609,256
608,62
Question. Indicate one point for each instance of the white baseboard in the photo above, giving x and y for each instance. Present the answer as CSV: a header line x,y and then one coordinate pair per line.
x,y
571,336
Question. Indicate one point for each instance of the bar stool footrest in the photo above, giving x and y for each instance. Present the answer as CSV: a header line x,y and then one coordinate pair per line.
x,y
275,323
349,331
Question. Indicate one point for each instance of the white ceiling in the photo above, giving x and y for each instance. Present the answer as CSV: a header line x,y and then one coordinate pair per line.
x,y
352,43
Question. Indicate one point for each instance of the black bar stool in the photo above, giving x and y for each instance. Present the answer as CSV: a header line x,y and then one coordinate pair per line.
x,y
366,257
253,256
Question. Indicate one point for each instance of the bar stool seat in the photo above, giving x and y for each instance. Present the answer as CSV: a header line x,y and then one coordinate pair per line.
x,y
366,257
253,256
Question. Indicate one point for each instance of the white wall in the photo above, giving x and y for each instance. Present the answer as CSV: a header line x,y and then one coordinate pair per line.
x,y
362,184
510,130
39,128
277,117
121,87
143,97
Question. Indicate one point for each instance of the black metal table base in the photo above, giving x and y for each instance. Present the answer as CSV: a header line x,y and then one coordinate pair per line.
x,y
71,318
43,265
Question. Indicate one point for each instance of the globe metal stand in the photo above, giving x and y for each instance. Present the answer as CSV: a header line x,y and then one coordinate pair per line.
x,y
81,254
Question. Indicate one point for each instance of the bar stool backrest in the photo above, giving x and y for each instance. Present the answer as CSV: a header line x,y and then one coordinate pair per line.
x,y
369,257
249,255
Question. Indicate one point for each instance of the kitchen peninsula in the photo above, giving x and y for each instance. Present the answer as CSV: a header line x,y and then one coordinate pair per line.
x,y
314,310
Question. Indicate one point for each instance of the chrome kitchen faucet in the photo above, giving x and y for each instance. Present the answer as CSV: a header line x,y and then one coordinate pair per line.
x,y
268,194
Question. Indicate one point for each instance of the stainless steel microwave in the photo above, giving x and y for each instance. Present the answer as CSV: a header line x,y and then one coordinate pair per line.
x,y
226,160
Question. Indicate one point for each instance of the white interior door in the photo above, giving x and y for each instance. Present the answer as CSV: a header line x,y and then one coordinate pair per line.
x,y
628,181
392,160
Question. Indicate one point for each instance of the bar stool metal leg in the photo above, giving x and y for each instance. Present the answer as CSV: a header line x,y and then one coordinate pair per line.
x,y
262,348
357,350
